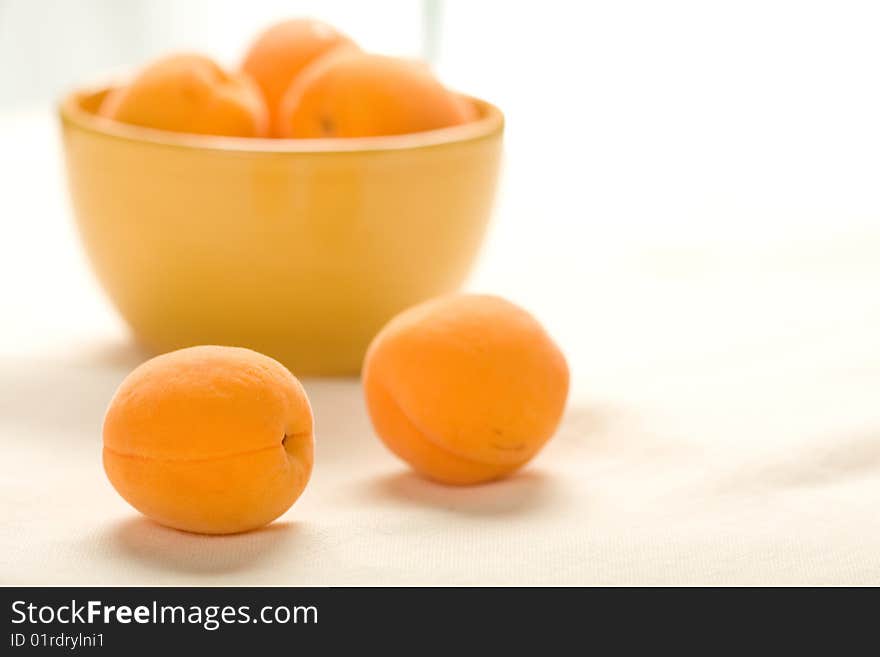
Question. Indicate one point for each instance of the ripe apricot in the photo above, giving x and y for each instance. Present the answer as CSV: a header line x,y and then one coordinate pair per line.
x,y
214,440
280,53
190,93
465,388
354,94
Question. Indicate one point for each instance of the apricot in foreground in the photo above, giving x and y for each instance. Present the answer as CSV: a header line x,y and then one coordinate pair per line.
x,y
349,93
465,388
281,52
213,440
190,93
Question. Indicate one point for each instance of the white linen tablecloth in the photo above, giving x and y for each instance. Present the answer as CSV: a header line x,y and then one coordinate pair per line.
x,y
723,427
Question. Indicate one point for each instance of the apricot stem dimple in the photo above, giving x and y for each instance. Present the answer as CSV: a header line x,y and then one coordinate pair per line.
x,y
328,126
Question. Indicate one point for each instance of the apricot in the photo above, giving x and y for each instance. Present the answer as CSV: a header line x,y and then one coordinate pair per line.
x,y
190,93
354,94
213,440
465,388
280,53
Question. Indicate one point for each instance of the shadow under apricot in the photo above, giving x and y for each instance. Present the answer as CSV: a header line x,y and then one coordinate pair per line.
x,y
175,551
520,494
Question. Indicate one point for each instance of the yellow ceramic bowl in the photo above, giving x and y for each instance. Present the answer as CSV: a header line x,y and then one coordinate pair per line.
x,y
301,249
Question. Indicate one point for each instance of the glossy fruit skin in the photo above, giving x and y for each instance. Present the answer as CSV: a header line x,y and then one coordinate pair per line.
x,y
283,51
354,94
209,439
189,93
465,388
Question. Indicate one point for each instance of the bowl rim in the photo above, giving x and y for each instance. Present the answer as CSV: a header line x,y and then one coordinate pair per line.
x,y
71,112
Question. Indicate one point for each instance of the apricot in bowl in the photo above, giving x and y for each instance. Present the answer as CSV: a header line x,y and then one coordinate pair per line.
x,y
213,440
189,93
354,94
282,51
301,249
465,388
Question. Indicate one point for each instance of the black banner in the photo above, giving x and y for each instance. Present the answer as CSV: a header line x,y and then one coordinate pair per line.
x,y
118,620
115,621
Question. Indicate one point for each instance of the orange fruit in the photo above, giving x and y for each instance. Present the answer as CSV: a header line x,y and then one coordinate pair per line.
x,y
190,93
349,93
280,53
465,388
214,440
